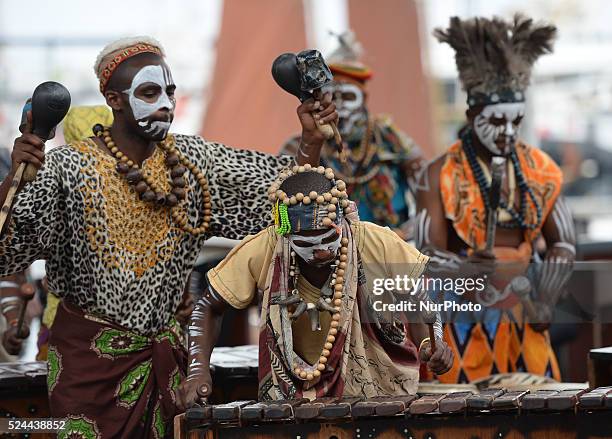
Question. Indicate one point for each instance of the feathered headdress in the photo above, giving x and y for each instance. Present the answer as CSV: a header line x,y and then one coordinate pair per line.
x,y
495,57
345,59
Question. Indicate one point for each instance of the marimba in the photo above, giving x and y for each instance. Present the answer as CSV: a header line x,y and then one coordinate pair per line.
x,y
491,413
23,392
23,385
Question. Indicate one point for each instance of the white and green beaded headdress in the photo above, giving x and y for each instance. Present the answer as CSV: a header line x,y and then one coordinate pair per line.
x,y
308,210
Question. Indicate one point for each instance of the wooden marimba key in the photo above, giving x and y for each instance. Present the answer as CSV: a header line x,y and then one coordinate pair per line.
x,y
382,406
537,400
564,400
455,402
338,409
596,398
312,409
484,399
271,410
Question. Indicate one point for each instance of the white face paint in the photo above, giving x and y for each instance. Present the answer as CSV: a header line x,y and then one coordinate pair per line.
x,y
315,243
350,105
506,115
143,110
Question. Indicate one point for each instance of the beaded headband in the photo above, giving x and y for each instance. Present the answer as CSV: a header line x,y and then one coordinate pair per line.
x,y
506,96
121,56
310,211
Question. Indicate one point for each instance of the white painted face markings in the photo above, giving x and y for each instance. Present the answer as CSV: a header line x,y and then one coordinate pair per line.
x,y
307,253
351,111
159,75
488,132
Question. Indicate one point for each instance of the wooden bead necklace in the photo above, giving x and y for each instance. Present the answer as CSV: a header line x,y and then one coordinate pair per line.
x,y
520,217
148,189
332,203
337,286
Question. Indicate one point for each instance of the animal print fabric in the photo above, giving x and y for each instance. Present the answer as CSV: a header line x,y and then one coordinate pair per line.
x,y
115,256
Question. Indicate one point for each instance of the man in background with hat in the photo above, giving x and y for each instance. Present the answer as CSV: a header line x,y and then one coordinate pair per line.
x,y
379,163
324,329
495,58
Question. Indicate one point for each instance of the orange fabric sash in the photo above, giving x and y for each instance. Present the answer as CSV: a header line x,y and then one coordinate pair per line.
x,y
462,201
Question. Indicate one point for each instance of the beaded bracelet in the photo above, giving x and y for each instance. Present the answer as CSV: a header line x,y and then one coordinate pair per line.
x,y
425,340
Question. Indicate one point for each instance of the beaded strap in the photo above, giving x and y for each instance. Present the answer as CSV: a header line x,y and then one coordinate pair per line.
x,y
331,303
284,226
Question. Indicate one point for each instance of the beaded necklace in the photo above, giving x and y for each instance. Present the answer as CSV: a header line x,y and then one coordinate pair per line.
x,y
331,298
366,153
519,218
325,303
148,189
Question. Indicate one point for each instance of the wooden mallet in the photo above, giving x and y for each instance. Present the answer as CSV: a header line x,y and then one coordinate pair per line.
x,y
497,176
27,292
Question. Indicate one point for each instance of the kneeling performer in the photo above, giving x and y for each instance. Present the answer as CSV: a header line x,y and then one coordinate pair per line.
x,y
319,333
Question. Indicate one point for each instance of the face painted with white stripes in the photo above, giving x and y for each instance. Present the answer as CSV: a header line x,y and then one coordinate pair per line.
x,y
151,97
497,126
319,249
351,107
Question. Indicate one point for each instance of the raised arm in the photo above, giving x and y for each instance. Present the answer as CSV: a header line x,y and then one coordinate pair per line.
x,y
313,113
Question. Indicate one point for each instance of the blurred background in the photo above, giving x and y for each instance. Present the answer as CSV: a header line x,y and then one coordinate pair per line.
x,y
221,51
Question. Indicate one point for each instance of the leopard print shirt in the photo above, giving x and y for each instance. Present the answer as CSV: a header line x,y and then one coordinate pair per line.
x,y
112,254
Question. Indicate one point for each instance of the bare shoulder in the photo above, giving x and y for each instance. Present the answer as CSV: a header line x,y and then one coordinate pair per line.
x,y
429,178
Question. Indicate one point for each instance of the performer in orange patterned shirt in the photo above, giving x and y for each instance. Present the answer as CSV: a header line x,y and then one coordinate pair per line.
x,y
494,59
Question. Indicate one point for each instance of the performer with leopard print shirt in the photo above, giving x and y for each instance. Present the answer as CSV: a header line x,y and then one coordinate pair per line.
x,y
120,218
